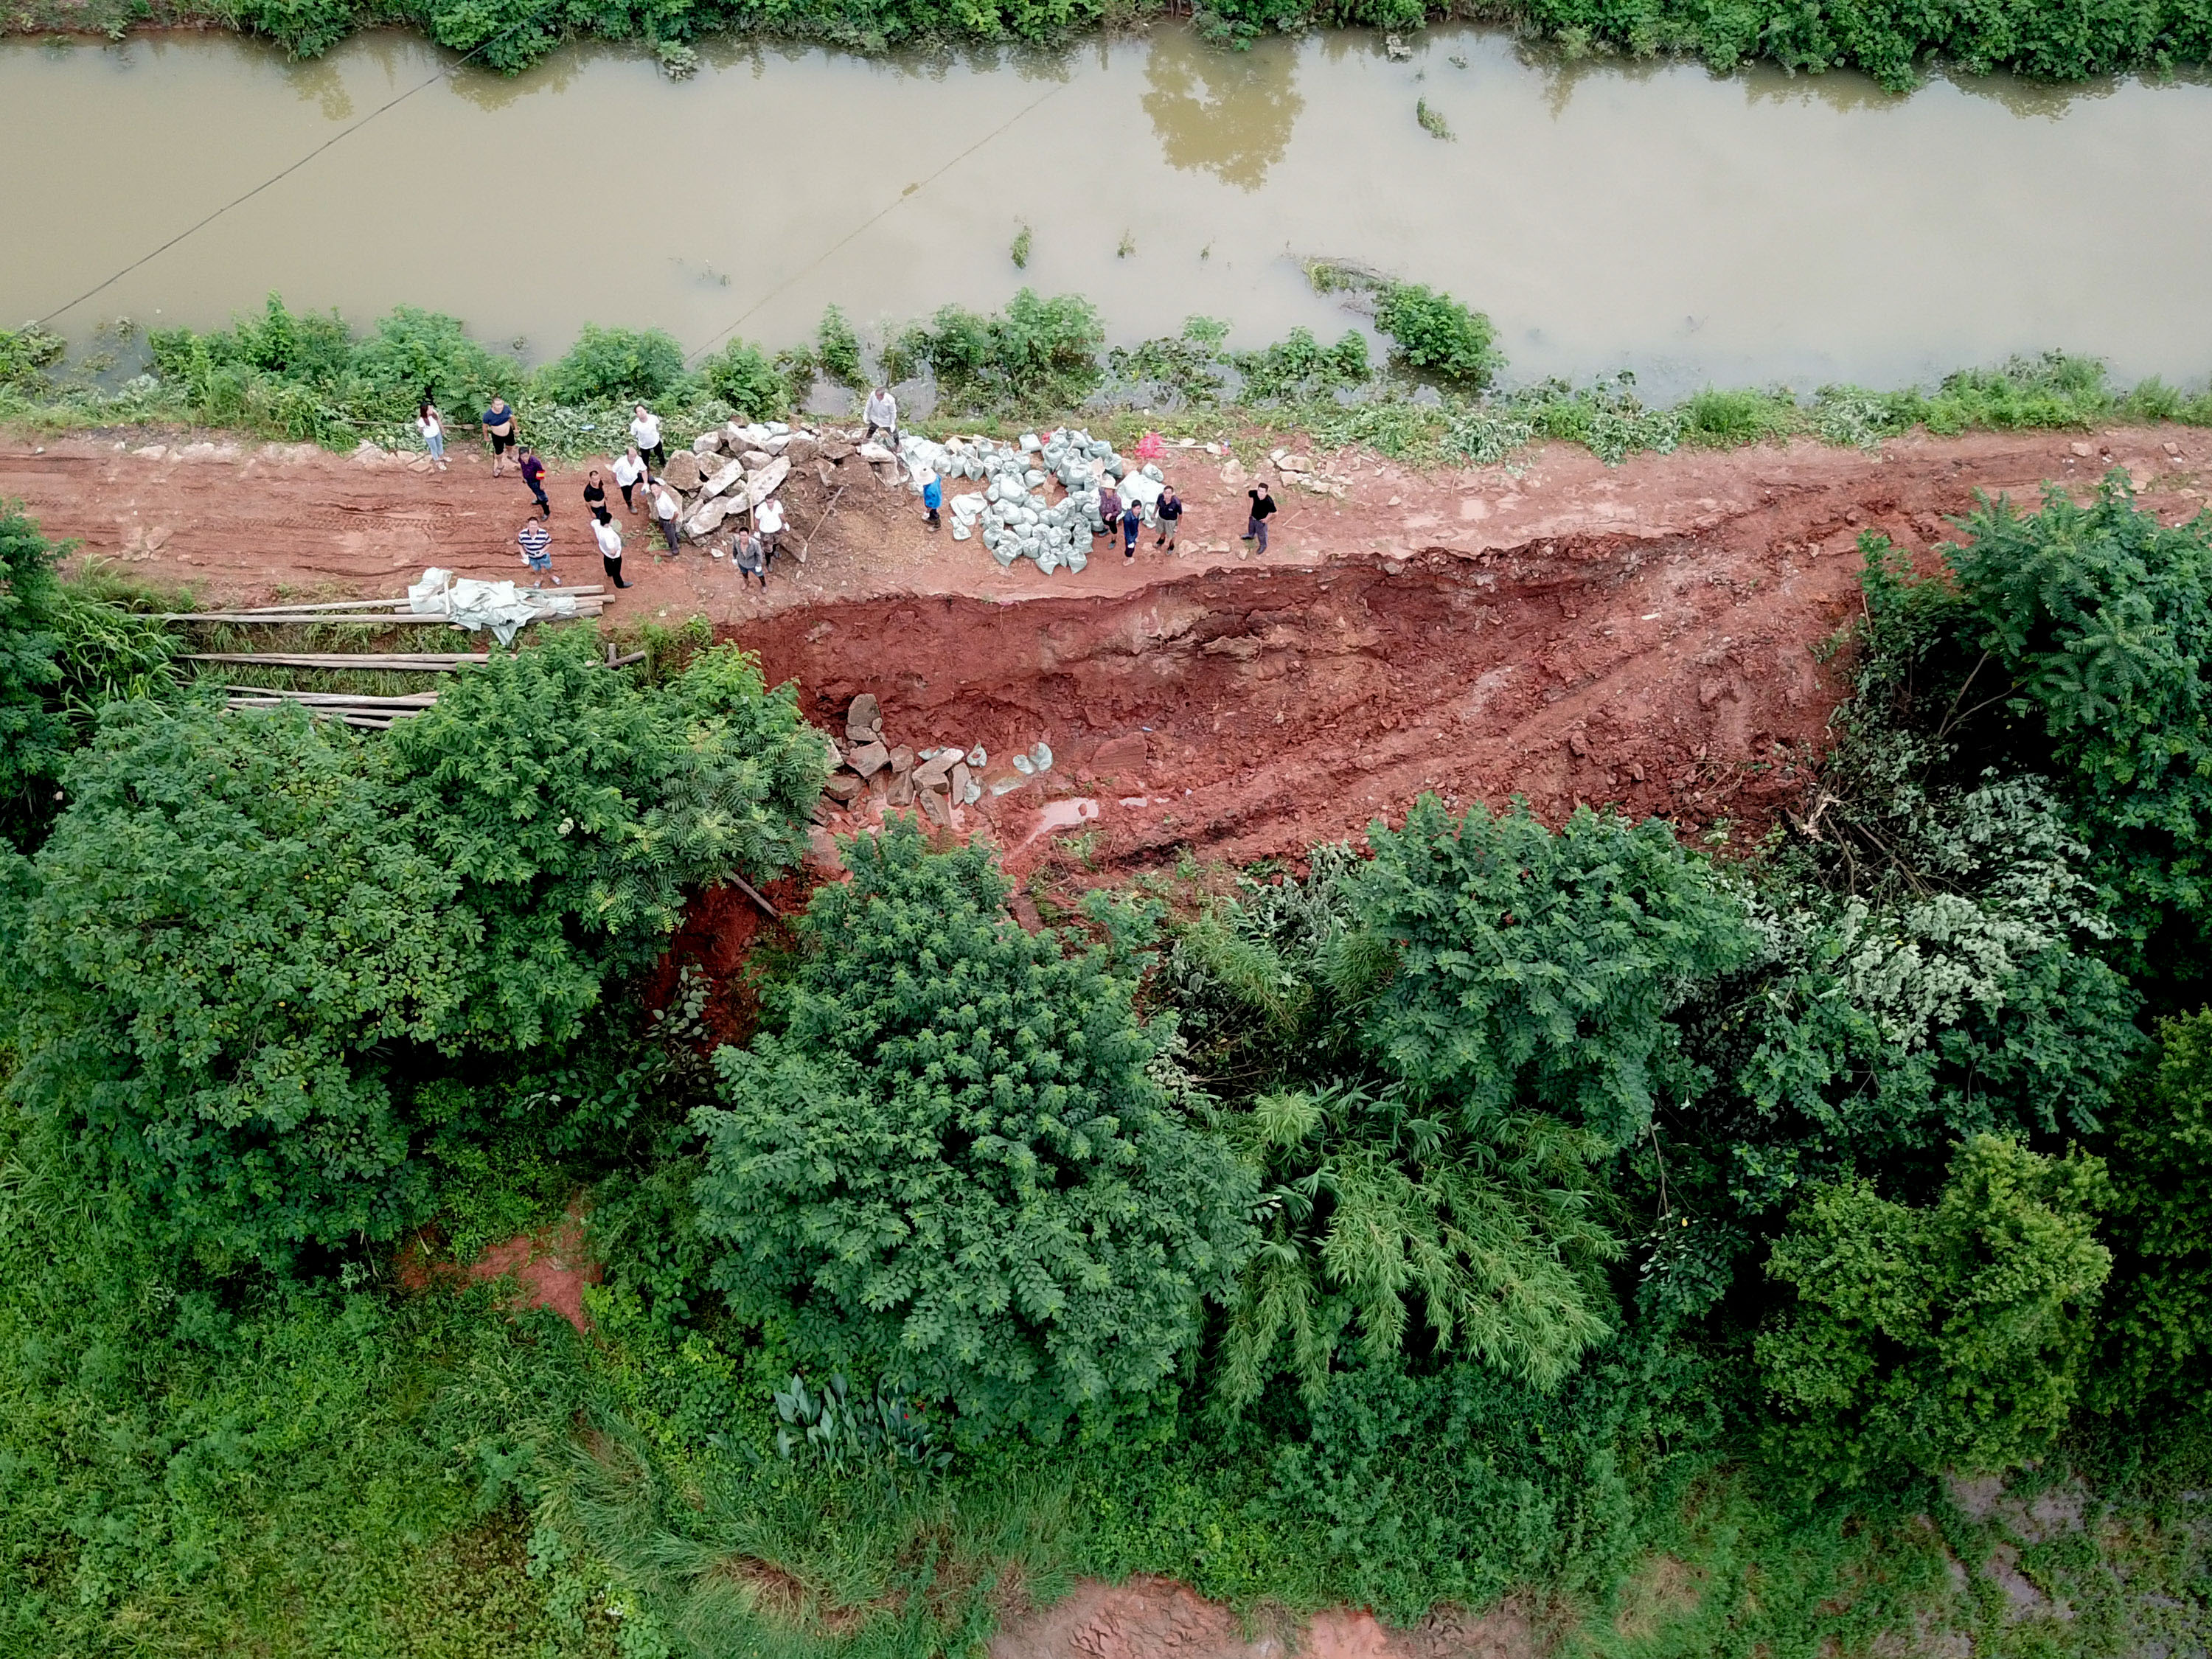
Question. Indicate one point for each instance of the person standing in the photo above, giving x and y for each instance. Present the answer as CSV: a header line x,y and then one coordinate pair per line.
x,y
645,429
1133,525
749,558
609,535
932,498
1263,508
768,522
1171,511
629,472
432,425
537,550
882,415
498,427
595,495
533,474
665,506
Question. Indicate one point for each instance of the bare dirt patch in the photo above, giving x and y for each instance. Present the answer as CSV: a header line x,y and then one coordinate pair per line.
x,y
1145,1618
549,1267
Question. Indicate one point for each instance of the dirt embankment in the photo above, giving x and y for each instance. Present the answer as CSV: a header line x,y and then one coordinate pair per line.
x,y
1647,634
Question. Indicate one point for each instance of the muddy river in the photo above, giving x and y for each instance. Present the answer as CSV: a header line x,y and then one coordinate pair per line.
x,y
1743,228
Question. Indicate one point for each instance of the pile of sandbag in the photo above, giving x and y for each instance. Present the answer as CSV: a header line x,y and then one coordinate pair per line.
x,y
1017,512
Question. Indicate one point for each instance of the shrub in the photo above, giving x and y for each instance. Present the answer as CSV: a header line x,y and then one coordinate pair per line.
x,y
305,28
1436,333
837,351
613,366
1947,1338
1727,419
2160,1322
741,375
944,1160
26,354
1039,354
411,351
1299,366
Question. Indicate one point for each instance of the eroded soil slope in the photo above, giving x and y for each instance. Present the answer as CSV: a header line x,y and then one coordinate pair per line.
x,y
1650,634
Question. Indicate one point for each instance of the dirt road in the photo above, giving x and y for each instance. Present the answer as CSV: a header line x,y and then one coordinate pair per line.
x,y
1643,635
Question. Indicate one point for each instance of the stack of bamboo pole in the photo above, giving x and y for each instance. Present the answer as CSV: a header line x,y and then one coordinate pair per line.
x,y
379,613
373,713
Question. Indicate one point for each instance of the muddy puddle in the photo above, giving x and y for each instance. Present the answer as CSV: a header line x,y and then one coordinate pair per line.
x,y
1749,226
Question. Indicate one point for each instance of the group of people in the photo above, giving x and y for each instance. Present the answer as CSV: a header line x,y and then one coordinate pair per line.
x,y
759,541
635,475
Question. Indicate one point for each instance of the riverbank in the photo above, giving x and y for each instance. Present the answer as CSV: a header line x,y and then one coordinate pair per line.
x,y
1560,630
2046,40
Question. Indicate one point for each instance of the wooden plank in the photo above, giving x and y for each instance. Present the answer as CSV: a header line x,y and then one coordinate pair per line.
x,y
428,662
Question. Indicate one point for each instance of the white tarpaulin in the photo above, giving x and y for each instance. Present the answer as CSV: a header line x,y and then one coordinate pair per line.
x,y
502,607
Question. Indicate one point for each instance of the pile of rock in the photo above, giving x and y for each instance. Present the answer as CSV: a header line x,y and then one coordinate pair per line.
x,y
727,473
1016,512
1304,471
872,773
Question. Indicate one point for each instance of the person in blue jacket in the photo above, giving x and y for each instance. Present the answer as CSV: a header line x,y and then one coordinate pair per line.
x,y
932,498
1133,522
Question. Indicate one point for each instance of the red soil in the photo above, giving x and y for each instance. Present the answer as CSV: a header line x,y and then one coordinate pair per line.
x,y
549,1267
1158,1619
1644,635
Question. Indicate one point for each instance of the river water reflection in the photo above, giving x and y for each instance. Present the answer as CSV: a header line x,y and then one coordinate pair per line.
x,y
1750,227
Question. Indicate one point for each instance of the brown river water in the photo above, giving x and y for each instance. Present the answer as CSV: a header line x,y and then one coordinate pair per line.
x,y
1746,228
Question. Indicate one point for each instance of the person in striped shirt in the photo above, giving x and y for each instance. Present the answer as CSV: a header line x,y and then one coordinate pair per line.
x,y
537,550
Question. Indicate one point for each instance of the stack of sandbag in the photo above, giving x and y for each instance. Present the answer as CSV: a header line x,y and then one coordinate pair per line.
x,y
1017,512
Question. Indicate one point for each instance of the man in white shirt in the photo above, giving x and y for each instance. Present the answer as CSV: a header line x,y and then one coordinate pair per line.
x,y
665,508
610,549
882,415
646,428
629,472
768,524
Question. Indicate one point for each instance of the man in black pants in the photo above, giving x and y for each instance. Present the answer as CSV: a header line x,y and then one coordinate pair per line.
x,y
1263,507
533,474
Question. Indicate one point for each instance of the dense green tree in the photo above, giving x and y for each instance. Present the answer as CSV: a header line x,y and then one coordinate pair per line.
x,y
1464,1025
1516,968
33,735
2161,1302
1947,1337
225,932
576,811
256,952
943,1158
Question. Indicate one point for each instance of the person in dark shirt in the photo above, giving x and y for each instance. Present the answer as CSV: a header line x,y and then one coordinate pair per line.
x,y
1171,511
498,427
749,558
1263,507
533,474
595,495
1132,523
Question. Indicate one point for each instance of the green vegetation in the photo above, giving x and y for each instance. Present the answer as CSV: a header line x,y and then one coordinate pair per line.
x,y
1502,1209
1897,46
1431,121
281,375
